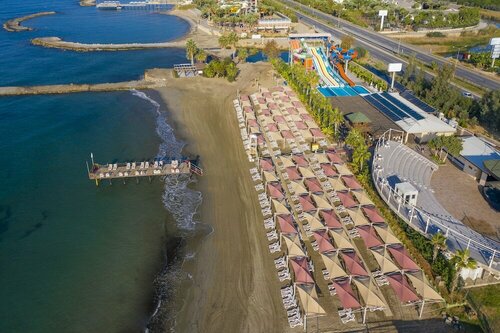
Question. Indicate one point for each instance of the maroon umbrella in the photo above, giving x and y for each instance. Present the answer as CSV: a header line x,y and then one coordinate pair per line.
x,y
252,123
285,99
334,158
402,288
316,132
287,134
347,199
329,170
402,257
301,270
300,125
354,264
372,214
266,112
272,128
266,164
292,111
351,183
275,191
367,232
286,224
306,203
260,139
293,173
280,119
324,243
272,106
297,104
313,185
330,219
346,295
299,160
306,117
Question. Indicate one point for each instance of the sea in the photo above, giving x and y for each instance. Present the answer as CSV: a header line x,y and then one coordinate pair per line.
x,y
76,257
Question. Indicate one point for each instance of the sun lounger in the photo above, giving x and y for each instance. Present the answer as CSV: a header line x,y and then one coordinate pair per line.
x,y
128,166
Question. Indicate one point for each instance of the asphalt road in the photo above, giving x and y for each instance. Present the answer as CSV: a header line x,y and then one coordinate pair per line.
x,y
384,48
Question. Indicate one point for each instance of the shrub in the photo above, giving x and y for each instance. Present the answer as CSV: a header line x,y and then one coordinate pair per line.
x,y
435,34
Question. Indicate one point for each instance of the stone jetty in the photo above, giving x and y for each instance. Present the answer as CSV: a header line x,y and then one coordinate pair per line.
x,y
14,25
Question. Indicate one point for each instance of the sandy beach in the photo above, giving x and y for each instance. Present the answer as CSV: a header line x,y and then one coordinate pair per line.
x,y
233,287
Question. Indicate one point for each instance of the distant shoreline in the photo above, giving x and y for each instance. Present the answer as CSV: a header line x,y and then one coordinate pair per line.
x,y
14,25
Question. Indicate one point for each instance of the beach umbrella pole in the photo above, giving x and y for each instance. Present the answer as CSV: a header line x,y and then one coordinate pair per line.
x,y
364,314
421,309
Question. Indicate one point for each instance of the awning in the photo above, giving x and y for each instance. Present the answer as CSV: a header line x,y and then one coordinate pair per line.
x,y
306,203
329,170
293,247
402,258
422,286
287,162
402,289
269,176
384,261
357,217
313,185
321,203
266,164
351,183
306,172
293,173
279,208
306,116
373,215
287,134
337,184
333,266
324,243
367,293
286,224
322,158
278,119
353,264
275,191
347,200
368,234
340,239
309,301
300,161
386,234
330,219
343,170
300,269
316,133
300,125
313,221
346,295
334,158
272,127
297,187
363,198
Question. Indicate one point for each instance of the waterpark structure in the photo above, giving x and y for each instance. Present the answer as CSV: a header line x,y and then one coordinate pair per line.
x,y
318,52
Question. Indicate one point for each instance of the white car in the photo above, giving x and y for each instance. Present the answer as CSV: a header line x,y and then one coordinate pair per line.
x,y
467,94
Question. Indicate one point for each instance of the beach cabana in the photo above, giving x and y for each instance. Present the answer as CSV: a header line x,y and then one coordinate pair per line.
x,y
306,172
252,123
313,221
362,198
293,173
330,219
269,176
337,185
297,188
300,125
300,269
329,170
306,134
346,294
265,112
322,158
346,199
423,288
402,258
369,236
279,208
353,264
321,203
300,160
266,164
343,170
279,119
373,215
316,133
313,185
286,224
306,203
386,234
351,183
293,247
384,261
367,293
340,239
306,117
287,161
334,158
309,301
357,217
402,288
287,134
272,128
283,127
275,191
333,266
324,243
291,110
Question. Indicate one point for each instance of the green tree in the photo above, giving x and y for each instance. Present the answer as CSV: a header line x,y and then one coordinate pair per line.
x,y
271,49
242,54
201,56
191,50
488,109
347,42
461,259
439,243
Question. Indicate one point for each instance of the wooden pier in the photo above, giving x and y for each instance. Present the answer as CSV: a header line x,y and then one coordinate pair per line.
x,y
156,168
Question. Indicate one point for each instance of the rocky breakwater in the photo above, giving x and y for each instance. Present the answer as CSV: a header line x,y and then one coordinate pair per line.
x,y
87,3
58,43
14,25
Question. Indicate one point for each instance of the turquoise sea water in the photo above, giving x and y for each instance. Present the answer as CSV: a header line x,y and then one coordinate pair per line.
x,y
73,257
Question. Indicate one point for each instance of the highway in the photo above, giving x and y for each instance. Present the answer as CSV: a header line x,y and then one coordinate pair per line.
x,y
384,48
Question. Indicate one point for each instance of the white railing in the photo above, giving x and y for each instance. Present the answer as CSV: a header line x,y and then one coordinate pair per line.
x,y
409,213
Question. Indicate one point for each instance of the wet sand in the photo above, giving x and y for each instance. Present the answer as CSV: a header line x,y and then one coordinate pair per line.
x,y
234,287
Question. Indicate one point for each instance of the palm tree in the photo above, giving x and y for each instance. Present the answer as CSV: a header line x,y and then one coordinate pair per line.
x,y
360,156
191,50
462,259
201,56
336,118
439,243
242,54
223,41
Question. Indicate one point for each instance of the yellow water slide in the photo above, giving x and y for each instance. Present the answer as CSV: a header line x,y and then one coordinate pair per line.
x,y
321,67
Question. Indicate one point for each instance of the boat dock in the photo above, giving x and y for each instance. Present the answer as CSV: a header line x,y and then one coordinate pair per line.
x,y
117,5
141,169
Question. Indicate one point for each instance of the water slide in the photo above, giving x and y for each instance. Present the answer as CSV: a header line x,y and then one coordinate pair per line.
x,y
322,68
343,74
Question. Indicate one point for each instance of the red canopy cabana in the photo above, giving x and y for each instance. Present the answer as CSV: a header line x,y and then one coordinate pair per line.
x,y
285,222
297,104
261,100
372,214
272,128
252,123
266,164
247,109
402,288
300,125
347,199
367,232
313,185
334,158
329,170
272,106
293,173
292,111
330,219
351,183
299,160
275,191
402,258
316,132
280,119
287,134
353,264
301,270
306,117
266,112
267,94
306,203
285,99
324,243
346,295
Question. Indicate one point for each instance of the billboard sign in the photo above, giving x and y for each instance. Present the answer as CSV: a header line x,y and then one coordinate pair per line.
x,y
384,13
395,67
495,50
495,41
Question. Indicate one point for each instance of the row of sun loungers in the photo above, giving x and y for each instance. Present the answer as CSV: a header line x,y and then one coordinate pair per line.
x,y
290,304
346,316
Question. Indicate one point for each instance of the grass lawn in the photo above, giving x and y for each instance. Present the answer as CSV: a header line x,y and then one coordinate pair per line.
x,y
488,300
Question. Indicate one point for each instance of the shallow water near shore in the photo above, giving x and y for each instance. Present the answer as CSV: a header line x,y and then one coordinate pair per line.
x,y
76,257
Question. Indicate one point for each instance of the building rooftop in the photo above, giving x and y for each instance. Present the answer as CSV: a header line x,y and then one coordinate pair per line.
x,y
406,188
478,151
